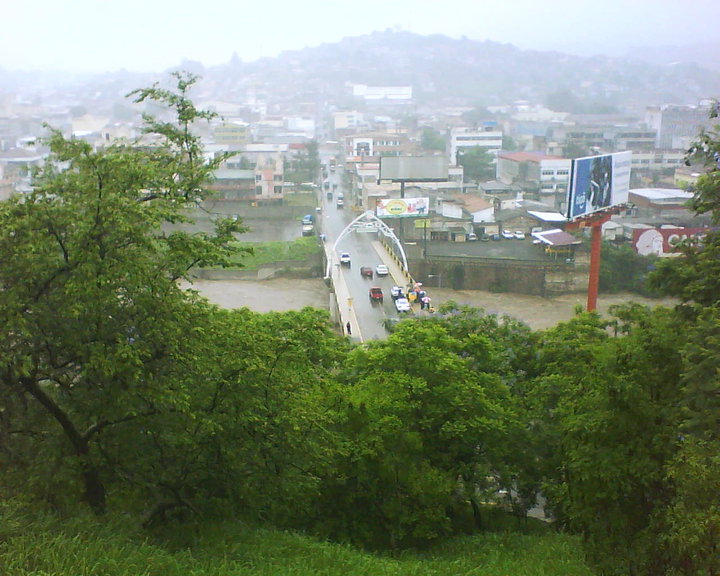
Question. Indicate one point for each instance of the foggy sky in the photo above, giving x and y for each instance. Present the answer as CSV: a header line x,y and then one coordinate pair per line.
x,y
154,35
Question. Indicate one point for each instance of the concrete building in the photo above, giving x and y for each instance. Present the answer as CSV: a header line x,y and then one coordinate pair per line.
x,y
549,174
378,144
657,159
488,136
389,93
232,134
656,201
678,126
349,120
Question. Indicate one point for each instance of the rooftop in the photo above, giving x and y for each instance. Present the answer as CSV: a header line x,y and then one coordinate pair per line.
x,y
527,156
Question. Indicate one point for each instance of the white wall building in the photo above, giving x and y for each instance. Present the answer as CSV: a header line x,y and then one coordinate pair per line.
x,y
488,137
382,92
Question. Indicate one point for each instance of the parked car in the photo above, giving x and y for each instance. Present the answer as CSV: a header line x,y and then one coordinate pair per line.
x,y
308,230
382,270
508,234
402,305
485,238
495,237
376,295
472,237
366,272
519,235
397,292
345,259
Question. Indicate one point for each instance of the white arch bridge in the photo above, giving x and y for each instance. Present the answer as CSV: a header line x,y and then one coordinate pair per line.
x,y
363,222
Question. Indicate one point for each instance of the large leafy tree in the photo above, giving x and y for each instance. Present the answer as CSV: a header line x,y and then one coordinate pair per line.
x,y
248,435
90,301
609,415
424,423
478,163
688,528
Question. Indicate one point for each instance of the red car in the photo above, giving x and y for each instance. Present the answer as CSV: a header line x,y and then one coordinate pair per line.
x,y
376,295
366,272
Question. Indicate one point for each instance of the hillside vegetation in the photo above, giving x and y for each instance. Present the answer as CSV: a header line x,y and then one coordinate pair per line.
x,y
87,547
211,441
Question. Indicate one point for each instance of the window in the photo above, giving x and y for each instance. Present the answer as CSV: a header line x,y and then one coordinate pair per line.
x,y
278,189
563,172
258,190
258,177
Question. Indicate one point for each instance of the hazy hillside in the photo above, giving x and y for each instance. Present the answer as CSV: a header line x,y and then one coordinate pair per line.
x,y
442,71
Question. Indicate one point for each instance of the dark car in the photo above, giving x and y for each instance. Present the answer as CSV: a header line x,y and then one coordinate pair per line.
x,y
366,272
376,295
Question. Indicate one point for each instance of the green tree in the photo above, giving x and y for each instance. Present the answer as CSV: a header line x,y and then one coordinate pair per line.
x,y
431,139
624,270
509,143
305,165
250,435
477,163
608,414
426,425
574,150
90,295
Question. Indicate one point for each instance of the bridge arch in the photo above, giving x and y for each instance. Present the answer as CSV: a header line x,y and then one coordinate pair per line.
x,y
365,219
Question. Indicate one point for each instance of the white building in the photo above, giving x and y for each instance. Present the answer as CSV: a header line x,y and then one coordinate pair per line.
x,y
550,173
382,92
489,137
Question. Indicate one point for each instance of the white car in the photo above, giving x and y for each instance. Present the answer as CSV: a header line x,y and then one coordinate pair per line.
x,y
508,234
519,235
402,305
396,292
382,270
345,258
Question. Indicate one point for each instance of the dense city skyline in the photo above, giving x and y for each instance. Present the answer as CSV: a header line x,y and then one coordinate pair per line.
x,y
88,36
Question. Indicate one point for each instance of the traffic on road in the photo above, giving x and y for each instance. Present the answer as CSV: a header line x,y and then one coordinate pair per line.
x,y
366,278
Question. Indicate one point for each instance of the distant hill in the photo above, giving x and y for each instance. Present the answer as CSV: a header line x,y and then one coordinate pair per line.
x,y
443,69
447,71
706,55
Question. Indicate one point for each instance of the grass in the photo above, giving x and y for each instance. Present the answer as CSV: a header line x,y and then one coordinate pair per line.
x,y
300,249
87,547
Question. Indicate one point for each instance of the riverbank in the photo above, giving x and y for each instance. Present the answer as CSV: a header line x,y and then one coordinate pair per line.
x,y
293,294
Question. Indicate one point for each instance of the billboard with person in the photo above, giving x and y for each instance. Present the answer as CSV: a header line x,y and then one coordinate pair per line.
x,y
597,183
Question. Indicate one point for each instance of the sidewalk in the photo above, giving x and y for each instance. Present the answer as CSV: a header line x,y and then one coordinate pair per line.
x,y
399,276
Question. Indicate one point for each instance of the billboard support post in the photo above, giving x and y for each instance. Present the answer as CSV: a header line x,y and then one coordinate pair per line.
x,y
595,223
599,186
594,279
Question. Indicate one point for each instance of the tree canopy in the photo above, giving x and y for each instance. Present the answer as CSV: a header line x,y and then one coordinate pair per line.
x,y
122,390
